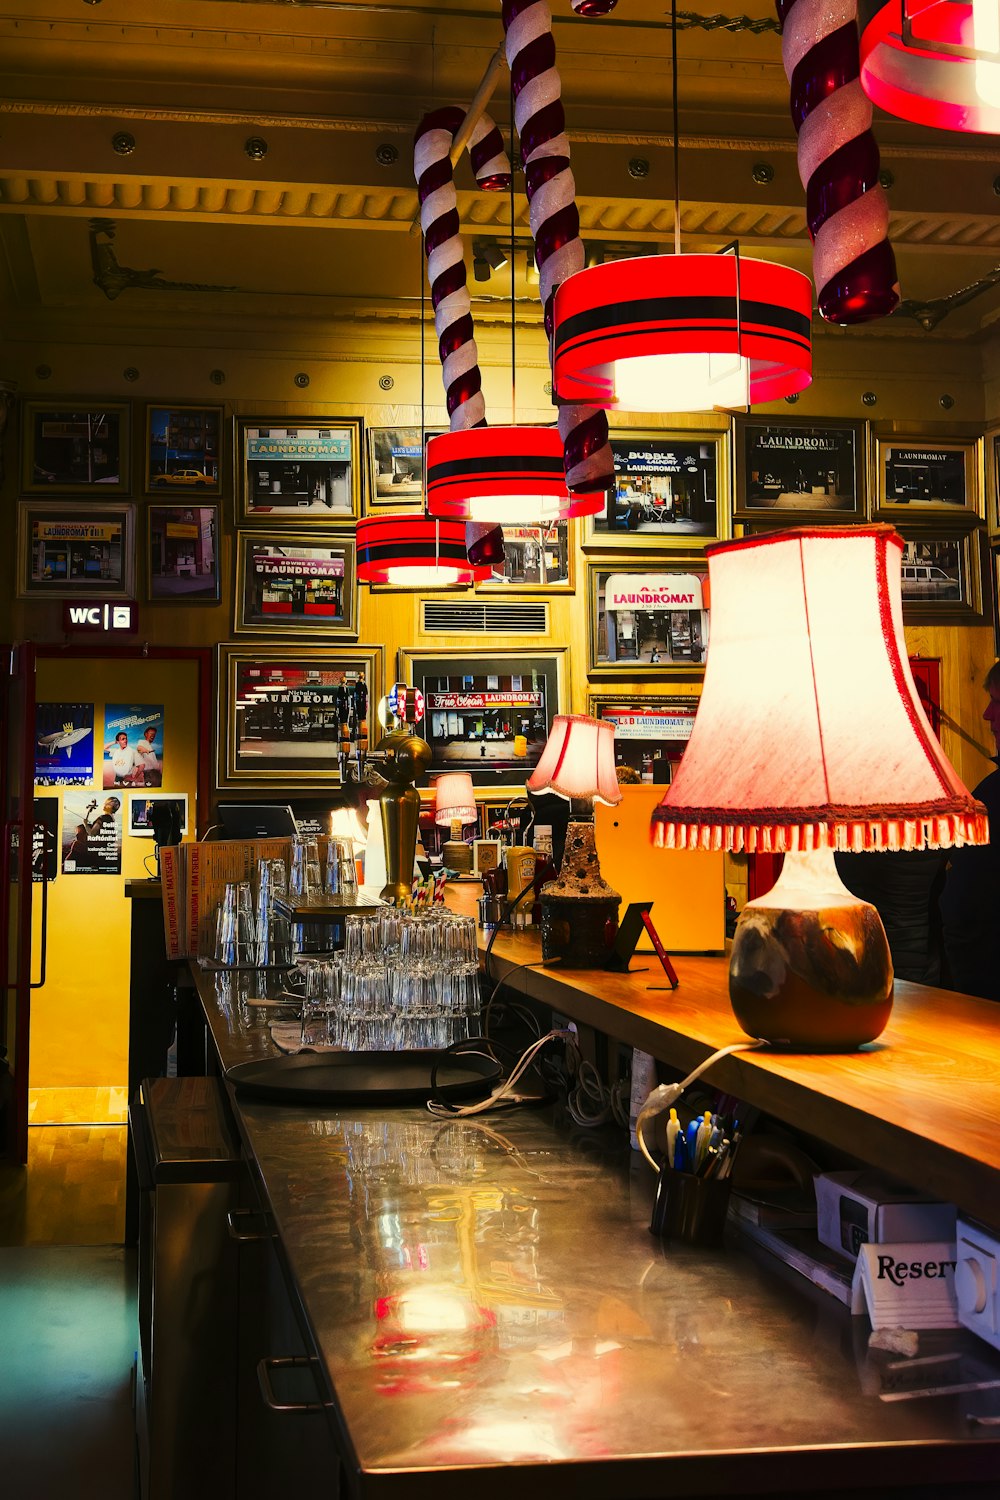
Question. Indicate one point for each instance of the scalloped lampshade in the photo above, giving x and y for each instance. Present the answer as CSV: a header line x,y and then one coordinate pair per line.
x,y
810,737
454,799
578,761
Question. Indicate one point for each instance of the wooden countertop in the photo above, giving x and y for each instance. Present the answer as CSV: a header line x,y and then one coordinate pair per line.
x,y
922,1102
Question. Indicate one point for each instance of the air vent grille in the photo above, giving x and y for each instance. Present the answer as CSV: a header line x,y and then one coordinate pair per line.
x,y
441,617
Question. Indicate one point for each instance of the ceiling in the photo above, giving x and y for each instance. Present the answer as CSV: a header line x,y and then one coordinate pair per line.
x,y
199,229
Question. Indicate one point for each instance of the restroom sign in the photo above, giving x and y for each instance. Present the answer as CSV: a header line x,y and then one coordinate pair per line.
x,y
100,619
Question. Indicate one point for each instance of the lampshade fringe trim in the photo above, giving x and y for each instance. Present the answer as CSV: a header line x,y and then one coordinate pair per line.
x,y
931,827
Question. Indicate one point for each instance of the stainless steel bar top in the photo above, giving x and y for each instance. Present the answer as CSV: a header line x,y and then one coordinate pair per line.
x,y
491,1311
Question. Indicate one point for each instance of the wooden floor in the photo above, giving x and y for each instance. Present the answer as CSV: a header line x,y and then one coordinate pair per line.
x,y
83,1106
72,1191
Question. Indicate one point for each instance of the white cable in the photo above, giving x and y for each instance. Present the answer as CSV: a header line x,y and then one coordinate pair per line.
x,y
505,1092
666,1094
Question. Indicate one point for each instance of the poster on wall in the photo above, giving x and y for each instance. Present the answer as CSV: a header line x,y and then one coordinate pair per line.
x,y
45,838
133,744
64,744
91,834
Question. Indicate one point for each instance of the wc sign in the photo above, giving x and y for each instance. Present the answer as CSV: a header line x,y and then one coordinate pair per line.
x,y
101,619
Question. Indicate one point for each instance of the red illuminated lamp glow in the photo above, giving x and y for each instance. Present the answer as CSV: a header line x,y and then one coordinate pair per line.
x,y
415,552
936,62
512,475
682,333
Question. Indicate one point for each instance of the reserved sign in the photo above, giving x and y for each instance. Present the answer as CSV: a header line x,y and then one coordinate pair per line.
x,y
907,1286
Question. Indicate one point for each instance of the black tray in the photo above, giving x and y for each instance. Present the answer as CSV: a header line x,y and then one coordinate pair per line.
x,y
363,1077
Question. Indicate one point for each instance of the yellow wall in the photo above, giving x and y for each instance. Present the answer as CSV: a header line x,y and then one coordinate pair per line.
x,y
79,1019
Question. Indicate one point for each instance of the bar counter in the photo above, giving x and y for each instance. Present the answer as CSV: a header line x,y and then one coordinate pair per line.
x,y
489,1308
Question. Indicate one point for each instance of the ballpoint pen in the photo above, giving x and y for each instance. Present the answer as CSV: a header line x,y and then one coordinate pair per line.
x,y
673,1128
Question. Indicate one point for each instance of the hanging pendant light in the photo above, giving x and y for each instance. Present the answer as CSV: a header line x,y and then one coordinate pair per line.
x,y
936,62
682,333
415,551
512,475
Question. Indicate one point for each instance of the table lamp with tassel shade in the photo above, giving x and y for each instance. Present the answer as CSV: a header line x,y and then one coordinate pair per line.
x,y
809,738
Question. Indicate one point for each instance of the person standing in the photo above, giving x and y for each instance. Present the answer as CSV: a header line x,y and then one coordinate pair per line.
x,y
126,762
152,768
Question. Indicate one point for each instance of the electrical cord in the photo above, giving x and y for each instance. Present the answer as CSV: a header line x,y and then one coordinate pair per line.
x,y
666,1094
502,1097
589,1100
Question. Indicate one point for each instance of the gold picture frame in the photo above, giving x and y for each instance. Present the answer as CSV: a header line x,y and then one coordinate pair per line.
x,y
661,624
671,492
278,711
298,470
928,477
69,550
301,583
76,447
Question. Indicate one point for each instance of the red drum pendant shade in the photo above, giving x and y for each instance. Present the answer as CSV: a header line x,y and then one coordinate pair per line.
x,y
936,62
510,475
682,333
415,552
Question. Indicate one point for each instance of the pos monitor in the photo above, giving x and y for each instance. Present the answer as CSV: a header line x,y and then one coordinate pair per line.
x,y
257,820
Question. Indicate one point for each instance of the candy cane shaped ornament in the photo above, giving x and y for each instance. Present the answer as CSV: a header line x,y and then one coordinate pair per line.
x,y
555,222
443,243
854,268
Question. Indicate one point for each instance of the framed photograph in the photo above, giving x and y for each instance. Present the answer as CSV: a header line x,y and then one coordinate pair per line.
x,y
945,576
280,711
648,623
183,449
992,445
797,468
487,712
537,560
670,491
295,468
75,447
395,467
918,474
140,811
66,550
651,732
182,554
299,584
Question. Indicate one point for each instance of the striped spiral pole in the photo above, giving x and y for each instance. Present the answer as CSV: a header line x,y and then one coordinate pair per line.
x,y
555,223
443,245
854,268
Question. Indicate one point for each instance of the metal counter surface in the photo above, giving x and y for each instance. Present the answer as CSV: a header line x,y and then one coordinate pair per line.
x,y
489,1308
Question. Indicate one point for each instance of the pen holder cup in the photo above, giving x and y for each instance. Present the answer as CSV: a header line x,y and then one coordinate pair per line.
x,y
689,1208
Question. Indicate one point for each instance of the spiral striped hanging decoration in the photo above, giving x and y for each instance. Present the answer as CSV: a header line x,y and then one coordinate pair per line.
x,y
854,268
555,223
443,244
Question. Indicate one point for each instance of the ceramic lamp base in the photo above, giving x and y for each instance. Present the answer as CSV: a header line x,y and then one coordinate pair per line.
x,y
579,931
810,969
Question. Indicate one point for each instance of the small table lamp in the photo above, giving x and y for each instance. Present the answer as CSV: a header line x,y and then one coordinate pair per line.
x,y
579,909
454,807
810,737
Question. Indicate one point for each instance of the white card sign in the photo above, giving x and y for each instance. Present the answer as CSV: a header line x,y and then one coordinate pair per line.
x,y
906,1286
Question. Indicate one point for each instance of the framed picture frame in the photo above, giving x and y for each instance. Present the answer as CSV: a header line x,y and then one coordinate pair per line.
x,y
140,824
945,575
648,622
651,730
279,711
76,447
991,446
488,712
298,469
182,554
671,491
65,550
796,469
537,560
926,475
301,583
395,467
183,449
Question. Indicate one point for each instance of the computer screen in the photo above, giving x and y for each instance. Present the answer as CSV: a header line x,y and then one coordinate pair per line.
x,y
256,820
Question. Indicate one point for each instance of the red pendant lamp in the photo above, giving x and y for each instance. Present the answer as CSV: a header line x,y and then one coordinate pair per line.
x,y
416,551
936,62
512,475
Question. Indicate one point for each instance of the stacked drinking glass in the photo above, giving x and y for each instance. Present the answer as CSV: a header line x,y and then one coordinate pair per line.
x,y
401,981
